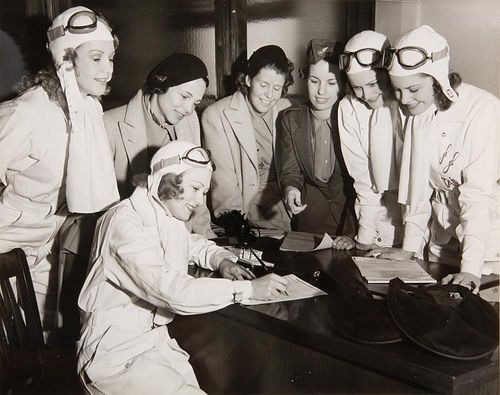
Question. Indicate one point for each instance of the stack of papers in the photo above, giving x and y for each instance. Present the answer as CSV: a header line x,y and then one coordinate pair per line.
x,y
297,289
382,271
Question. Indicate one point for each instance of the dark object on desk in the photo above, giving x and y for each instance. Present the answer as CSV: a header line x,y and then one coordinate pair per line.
x,y
236,225
357,315
448,320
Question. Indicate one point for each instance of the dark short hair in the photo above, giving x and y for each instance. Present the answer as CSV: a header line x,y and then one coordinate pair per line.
x,y
170,186
442,101
270,56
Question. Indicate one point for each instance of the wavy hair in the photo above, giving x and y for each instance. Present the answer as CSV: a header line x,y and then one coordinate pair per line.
x,y
242,86
442,101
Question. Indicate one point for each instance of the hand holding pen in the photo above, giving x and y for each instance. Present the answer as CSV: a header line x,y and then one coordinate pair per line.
x,y
269,287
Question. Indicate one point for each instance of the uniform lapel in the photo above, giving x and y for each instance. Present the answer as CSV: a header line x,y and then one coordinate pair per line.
x,y
302,135
238,117
133,133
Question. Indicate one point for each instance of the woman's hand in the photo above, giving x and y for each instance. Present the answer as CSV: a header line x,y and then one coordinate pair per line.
x,y
343,243
292,200
268,287
366,247
232,271
396,254
464,279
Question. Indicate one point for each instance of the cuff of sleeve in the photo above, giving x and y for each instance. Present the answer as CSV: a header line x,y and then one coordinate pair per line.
x,y
365,236
242,291
472,268
224,254
413,243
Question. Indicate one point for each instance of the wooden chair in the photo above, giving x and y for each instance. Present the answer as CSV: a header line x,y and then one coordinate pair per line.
x,y
21,336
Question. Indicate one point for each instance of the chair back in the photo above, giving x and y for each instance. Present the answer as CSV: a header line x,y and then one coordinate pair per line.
x,y
21,336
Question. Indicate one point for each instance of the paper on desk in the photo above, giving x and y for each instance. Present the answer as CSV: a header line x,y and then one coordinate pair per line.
x,y
297,289
376,270
305,242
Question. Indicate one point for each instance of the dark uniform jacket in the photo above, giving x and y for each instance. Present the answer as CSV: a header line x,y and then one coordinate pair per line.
x,y
330,204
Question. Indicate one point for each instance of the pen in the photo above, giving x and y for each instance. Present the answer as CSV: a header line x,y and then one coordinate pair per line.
x,y
260,260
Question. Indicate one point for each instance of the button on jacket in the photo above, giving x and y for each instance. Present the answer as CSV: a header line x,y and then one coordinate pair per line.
x,y
126,127
463,191
134,288
378,212
230,136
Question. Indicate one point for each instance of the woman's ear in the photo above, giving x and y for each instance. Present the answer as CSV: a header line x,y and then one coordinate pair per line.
x,y
247,80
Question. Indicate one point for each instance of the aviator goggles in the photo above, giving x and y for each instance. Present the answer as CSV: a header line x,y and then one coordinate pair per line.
x,y
411,58
365,57
80,22
195,157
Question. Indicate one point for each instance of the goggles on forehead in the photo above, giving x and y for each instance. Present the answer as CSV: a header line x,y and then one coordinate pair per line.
x,y
410,58
195,157
365,57
80,22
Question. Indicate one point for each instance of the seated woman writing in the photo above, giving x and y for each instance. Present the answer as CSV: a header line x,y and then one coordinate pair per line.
x,y
138,280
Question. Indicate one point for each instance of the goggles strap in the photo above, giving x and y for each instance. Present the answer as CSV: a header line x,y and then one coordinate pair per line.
x,y
56,32
439,54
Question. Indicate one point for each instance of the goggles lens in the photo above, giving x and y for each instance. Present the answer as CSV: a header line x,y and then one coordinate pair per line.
x,y
365,57
411,57
80,22
195,157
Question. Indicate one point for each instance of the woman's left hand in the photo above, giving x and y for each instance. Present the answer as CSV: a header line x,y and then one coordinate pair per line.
x,y
464,279
232,271
343,243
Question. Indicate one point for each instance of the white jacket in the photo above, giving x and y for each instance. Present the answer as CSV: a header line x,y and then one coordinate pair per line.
x,y
378,212
135,287
462,192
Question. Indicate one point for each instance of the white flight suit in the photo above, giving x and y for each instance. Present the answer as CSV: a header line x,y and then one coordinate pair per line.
x,y
33,149
462,193
137,282
378,212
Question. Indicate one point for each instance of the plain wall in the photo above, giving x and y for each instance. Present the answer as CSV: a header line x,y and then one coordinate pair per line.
x,y
291,24
471,27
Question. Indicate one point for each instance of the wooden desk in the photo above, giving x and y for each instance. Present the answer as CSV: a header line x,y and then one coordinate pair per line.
x,y
292,348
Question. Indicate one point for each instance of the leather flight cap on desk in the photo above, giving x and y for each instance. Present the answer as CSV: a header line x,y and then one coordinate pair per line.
x,y
448,320
357,315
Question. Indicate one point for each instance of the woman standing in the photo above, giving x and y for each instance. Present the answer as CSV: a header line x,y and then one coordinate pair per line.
x,y
139,280
450,164
312,175
161,112
240,132
369,123
53,147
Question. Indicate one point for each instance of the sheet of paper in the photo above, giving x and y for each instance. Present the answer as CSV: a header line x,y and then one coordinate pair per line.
x,y
297,289
306,242
376,270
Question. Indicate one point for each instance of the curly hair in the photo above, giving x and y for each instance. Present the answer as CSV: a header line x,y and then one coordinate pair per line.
x,y
46,78
242,86
170,186
442,102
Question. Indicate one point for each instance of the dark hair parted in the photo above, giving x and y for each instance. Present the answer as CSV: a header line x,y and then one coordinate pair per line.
x,y
269,56
170,186
442,102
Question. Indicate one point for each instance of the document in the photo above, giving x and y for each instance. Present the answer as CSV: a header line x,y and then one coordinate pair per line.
x,y
306,242
297,289
381,271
